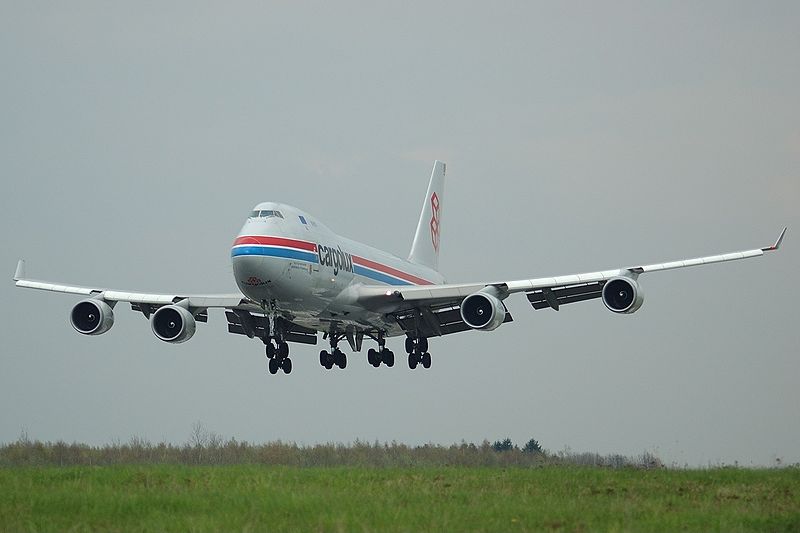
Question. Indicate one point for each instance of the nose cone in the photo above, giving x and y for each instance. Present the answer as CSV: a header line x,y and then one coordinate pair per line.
x,y
258,276
248,271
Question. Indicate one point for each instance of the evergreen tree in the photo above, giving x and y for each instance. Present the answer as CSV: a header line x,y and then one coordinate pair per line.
x,y
532,446
503,446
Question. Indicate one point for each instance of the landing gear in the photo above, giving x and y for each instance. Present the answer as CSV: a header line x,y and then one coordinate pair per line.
x,y
373,358
334,357
278,355
382,355
417,349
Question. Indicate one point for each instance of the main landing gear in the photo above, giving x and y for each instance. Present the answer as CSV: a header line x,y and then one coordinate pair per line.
x,y
417,350
335,356
381,355
278,355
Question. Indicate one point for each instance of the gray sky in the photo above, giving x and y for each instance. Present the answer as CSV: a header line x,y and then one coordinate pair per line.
x,y
134,139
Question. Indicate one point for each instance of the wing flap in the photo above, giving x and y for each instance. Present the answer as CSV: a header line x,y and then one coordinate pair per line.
x,y
448,320
540,299
245,323
148,309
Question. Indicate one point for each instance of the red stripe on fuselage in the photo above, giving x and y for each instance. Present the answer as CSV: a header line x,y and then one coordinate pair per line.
x,y
276,241
389,270
312,247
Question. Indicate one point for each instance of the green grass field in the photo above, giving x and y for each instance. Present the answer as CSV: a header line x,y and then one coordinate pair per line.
x,y
268,498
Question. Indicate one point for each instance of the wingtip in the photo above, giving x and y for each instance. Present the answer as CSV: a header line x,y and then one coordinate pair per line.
x,y
777,244
20,273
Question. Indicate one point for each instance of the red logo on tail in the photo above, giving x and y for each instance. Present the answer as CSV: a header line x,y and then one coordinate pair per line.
x,y
435,221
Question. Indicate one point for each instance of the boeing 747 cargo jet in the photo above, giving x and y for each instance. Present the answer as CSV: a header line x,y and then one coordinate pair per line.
x,y
297,278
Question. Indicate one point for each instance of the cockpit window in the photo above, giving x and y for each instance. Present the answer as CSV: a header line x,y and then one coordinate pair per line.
x,y
266,213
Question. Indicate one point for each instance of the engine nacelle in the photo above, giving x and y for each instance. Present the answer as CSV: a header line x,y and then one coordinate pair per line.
x,y
173,323
622,295
91,317
483,311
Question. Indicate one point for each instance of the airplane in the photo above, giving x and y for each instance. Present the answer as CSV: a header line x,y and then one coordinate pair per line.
x,y
297,277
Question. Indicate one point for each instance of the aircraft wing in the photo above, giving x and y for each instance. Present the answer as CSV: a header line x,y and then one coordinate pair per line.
x,y
434,310
239,309
140,301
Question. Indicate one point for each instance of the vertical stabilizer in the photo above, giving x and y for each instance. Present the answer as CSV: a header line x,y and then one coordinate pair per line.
x,y
425,249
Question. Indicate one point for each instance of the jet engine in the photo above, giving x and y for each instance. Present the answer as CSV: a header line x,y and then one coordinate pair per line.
x,y
483,311
622,295
173,323
91,317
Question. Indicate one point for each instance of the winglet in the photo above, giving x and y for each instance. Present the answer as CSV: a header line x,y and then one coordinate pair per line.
x,y
777,243
20,273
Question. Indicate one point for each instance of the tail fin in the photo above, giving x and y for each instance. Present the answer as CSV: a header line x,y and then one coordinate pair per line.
x,y
425,249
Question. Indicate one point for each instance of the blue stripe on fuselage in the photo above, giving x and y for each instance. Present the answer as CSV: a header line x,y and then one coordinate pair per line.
x,y
273,251
377,276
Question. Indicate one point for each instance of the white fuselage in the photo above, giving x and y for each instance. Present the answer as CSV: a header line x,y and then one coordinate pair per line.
x,y
286,259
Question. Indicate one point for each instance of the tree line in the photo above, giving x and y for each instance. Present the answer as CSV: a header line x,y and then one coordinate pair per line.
x,y
206,448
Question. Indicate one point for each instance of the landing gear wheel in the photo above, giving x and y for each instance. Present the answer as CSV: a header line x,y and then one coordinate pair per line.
x,y
388,357
412,360
326,359
273,366
341,359
409,345
270,350
422,344
373,358
283,349
286,365
426,360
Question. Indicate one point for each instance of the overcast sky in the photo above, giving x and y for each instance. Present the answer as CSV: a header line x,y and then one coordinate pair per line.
x,y
135,138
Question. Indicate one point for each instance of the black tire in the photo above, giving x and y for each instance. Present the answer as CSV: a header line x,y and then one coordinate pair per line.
x,y
341,359
372,358
426,360
388,357
270,350
323,358
422,344
286,366
273,366
283,349
412,361
409,345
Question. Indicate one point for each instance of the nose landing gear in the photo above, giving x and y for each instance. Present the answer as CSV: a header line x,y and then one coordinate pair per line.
x,y
278,355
